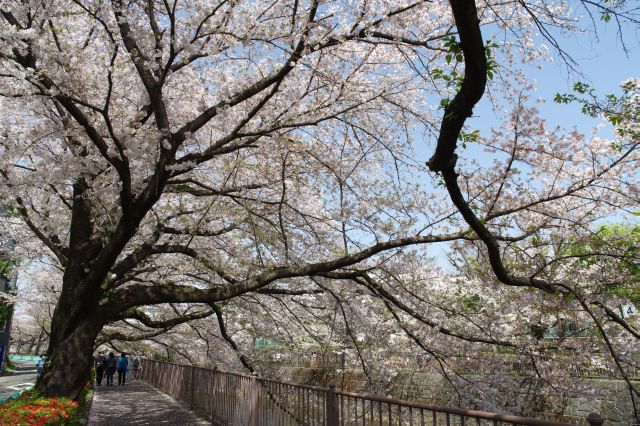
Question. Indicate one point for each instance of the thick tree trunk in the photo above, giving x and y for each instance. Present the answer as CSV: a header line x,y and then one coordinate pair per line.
x,y
76,320
75,325
69,359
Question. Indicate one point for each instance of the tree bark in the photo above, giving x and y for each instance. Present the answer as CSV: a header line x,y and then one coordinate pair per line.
x,y
70,351
77,318
76,322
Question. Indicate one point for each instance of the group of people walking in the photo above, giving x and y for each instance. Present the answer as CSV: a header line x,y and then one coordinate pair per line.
x,y
110,364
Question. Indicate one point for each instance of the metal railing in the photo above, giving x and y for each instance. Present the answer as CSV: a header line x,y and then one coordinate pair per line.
x,y
238,399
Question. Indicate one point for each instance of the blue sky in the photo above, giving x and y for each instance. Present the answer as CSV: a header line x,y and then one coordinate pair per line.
x,y
602,62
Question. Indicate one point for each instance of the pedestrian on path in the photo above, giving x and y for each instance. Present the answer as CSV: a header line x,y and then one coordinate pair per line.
x,y
123,367
111,368
101,361
136,368
40,365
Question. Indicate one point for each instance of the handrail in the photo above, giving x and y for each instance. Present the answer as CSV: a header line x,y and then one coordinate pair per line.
x,y
232,393
484,415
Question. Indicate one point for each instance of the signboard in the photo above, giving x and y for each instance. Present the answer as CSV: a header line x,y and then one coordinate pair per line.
x,y
4,338
628,310
4,343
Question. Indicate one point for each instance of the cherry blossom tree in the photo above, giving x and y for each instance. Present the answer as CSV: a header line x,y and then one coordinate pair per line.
x,y
182,160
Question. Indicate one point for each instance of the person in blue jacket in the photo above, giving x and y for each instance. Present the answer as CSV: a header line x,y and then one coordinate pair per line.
x,y
41,363
123,367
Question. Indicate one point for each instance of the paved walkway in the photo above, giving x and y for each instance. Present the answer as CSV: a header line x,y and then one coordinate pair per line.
x,y
138,403
22,378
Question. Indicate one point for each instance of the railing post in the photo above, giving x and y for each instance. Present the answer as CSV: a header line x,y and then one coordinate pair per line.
x,y
331,407
253,401
595,419
212,397
193,384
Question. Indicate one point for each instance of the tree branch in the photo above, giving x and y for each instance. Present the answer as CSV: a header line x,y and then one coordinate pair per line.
x,y
128,297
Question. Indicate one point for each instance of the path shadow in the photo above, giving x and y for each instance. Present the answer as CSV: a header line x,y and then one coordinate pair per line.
x,y
138,403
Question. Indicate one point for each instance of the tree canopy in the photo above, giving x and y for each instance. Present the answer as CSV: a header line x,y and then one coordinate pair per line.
x,y
176,161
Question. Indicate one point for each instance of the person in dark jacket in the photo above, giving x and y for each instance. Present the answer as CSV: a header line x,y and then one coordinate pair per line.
x,y
100,364
123,367
136,368
111,368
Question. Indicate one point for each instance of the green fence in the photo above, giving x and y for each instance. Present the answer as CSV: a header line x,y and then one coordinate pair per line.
x,y
33,358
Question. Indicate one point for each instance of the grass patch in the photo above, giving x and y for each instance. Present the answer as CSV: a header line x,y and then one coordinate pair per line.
x,y
9,366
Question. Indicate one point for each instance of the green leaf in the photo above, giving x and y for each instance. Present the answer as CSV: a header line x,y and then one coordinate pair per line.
x,y
615,119
581,88
561,98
